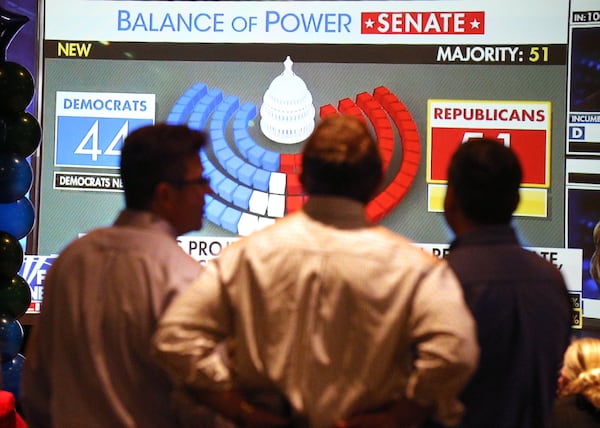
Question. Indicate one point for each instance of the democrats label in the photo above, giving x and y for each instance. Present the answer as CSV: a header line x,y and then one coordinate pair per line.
x,y
91,126
87,182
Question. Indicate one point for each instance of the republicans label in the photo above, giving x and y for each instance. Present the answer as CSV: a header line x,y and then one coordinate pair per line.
x,y
524,126
91,126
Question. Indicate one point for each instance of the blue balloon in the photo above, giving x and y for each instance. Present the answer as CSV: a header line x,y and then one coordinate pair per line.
x,y
11,337
11,375
16,176
17,217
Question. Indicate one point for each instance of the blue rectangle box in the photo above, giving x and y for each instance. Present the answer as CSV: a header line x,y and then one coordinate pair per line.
x,y
92,141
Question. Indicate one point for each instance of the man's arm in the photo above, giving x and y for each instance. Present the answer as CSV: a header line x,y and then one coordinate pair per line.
x,y
188,337
188,345
444,333
404,413
35,388
233,406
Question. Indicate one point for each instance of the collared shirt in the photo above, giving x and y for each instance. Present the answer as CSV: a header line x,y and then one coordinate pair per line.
x,y
327,311
90,366
522,310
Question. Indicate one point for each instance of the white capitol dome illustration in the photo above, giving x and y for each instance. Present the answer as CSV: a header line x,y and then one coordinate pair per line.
x,y
287,113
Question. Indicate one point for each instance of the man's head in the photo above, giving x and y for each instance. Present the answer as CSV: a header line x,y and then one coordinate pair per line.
x,y
341,158
483,184
162,173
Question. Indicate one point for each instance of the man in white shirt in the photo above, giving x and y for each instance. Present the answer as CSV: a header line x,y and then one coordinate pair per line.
x,y
88,363
324,318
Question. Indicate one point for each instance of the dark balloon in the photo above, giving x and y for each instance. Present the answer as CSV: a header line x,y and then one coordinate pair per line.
x,y
16,87
17,217
11,337
16,176
11,255
20,133
11,375
10,24
15,296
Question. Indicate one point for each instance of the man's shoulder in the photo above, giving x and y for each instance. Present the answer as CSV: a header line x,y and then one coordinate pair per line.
x,y
82,242
124,240
404,246
296,233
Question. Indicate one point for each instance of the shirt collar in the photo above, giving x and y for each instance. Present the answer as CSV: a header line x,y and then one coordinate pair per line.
x,y
343,213
145,220
493,234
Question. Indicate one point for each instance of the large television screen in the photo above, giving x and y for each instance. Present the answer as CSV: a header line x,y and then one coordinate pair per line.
x,y
258,75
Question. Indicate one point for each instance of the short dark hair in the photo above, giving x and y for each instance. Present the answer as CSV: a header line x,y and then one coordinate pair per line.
x,y
485,176
341,158
155,154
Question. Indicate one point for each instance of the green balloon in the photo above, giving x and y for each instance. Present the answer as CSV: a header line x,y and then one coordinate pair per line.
x,y
11,255
20,133
15,296
16,87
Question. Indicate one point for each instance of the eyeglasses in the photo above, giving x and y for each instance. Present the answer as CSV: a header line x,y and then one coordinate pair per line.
x,y
202,181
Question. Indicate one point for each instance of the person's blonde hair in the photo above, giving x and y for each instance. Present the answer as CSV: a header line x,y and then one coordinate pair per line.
x,y
581,367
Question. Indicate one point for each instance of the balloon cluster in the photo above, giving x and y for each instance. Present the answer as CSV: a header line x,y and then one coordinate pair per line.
x,y
20,135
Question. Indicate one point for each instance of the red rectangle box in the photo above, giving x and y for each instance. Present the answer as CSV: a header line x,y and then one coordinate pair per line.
x,y
293,203
293,186
287,163
530,146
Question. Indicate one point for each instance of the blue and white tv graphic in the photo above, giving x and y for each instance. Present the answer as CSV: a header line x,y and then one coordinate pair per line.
x,y
34,270
91,126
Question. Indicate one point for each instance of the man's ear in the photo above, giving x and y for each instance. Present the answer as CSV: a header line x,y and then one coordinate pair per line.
x,y
449,199
163,195
517,200
378,187
302,179
451,211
